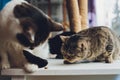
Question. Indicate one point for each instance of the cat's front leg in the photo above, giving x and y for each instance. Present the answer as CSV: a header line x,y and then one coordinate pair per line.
x,y
109,53
4,60
28,67
109,59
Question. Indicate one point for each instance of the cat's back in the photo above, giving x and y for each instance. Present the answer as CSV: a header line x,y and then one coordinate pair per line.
x,y
95,30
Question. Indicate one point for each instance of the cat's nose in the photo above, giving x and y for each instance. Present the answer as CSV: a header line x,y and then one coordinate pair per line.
x,y
31,48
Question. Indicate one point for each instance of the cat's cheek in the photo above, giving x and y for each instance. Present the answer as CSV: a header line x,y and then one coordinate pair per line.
x,y
31,67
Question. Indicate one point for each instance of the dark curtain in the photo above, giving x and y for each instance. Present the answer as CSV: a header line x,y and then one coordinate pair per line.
x,y
2,3
91,12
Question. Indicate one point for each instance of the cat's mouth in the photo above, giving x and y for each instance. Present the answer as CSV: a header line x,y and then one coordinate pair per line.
x,y
67,62
75,61
71,61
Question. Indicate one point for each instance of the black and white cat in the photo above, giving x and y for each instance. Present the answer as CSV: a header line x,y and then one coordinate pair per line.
x,y
23,27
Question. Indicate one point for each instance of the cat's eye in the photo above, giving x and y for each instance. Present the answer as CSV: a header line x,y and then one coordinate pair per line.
x,y
82,45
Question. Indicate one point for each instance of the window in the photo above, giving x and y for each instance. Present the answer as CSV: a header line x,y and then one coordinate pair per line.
x,y
108,14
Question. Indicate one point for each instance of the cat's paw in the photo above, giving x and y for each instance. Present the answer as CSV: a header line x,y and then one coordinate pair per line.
x,y
30,67
5,66
109,48
109,60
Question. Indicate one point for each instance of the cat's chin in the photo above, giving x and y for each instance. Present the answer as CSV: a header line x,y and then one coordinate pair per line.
x,y
67,62
75,62
30,68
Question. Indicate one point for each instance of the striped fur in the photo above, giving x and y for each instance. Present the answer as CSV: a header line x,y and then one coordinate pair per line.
x,y
92,44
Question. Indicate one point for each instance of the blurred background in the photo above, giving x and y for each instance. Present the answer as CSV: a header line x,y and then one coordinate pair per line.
x,y
100,12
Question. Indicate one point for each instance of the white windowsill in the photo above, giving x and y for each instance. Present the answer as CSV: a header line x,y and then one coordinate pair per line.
x,y
56,67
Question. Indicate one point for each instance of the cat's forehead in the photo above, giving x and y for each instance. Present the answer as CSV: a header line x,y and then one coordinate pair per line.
x,y
76,42
71,44
75,39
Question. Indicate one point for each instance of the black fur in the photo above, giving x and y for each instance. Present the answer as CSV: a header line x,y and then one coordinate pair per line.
x,y
30,16
23,40
28,1
56,43
34,59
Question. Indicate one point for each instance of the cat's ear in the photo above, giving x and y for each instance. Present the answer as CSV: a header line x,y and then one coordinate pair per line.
x,y
55,26
64,38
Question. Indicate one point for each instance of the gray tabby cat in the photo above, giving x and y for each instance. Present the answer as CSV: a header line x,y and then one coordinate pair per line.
x,y
92,44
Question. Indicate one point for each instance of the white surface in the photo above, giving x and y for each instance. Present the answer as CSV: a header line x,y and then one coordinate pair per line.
x,y
56,67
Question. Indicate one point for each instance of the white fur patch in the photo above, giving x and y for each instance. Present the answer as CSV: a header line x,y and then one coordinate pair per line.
x,y
8,19
41,51
31,67
5,65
